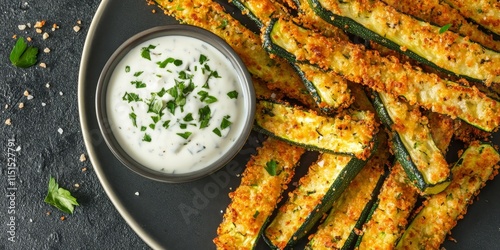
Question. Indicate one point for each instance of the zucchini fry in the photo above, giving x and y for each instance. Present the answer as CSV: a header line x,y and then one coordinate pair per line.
x,y
421,41
317,190
397,199
440,212
349,211
382,74
441,14
258,194
210,15
349,134
413,144
328,89
484,12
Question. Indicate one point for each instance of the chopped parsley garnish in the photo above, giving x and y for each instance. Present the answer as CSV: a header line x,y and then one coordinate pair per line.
x,y
127,69
162,92
233,94
138,84
223,24
22,55
256,214
143,128
146,51
271,167
217,132
205,97
133,117
165,62
203,59
225,122
184,135
188,117
138,73
60,197
205,115
444,28
146,138
131,97
166,124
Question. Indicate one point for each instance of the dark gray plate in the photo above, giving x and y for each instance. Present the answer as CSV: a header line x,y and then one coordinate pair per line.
x,y
186,216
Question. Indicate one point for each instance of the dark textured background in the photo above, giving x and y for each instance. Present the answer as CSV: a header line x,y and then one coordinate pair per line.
x,y
42,150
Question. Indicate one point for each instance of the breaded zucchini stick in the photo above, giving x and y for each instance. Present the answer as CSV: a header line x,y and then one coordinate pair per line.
x,y
265,177
211,16
440,212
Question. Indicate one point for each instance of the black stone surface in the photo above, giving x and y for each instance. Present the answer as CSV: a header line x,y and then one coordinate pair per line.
x,y
47,135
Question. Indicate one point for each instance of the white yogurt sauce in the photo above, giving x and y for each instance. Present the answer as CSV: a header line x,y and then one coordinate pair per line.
x,y
179,110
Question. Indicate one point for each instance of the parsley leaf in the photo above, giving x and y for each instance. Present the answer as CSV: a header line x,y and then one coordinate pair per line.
x,y
184,135
22,55
217,132
271,167
233,94
444,28
146,51
146,138
60,197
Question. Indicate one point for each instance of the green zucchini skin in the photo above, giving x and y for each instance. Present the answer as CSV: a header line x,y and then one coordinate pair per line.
x,y
348,133
328,90
293,42
353,27
349,212
405,158
335,188
477,165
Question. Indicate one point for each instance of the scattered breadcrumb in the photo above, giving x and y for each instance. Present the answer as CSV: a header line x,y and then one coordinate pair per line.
x,y
84,169
21,105
26,93
47,85
29,97
38,30
76,28
46,50
43,65
60,131
63,218
28,39
6,106
77,185
18,148
54,27
83,158
60,93
48,213
39,24
45,35
8,122
21,26
43,104
137,193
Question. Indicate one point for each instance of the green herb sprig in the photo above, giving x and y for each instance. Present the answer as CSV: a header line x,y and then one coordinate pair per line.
x,y
60,197
22,55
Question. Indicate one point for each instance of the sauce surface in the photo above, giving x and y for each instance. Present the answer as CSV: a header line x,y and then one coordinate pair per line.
x,y
174,104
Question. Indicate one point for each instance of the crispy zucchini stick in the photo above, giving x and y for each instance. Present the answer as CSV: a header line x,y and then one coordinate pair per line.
x,y
210,15
484,12
413,144
397,199
422,41
328,89
349,133
348,213
441,212
440,13
382,74
258,194
317,190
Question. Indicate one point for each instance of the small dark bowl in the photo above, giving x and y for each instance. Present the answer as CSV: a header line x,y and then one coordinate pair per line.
x,y
244,79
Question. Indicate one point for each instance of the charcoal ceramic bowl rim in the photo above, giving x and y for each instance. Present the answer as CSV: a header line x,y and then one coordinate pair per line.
x,y
244,80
